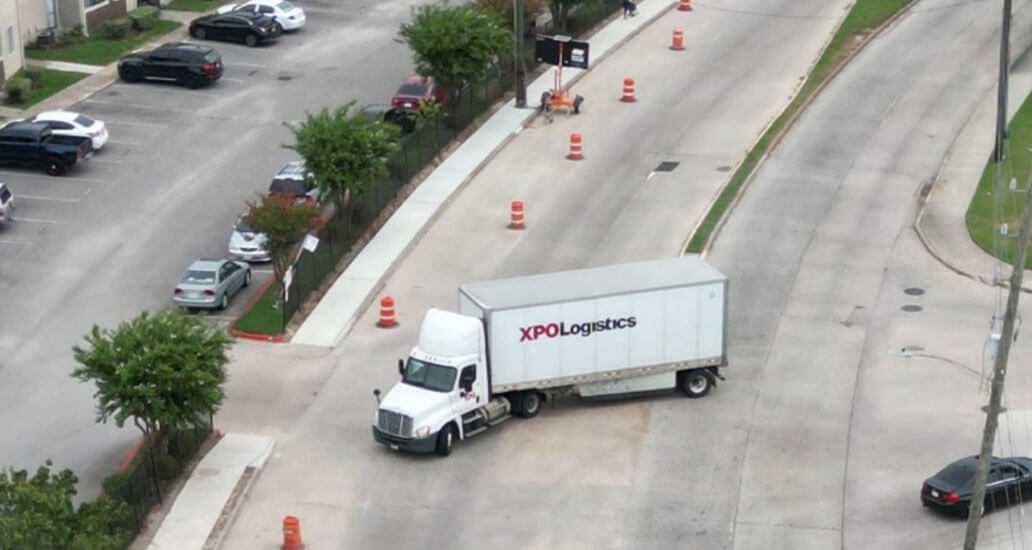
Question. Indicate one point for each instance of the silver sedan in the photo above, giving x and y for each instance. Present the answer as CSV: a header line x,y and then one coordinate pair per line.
x,y
210,283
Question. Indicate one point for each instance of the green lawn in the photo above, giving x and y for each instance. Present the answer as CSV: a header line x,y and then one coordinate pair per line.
x,y
262,318
192,5
863,18
100,51
53,81
980,217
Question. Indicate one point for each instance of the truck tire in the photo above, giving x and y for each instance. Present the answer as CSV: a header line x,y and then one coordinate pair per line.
x,y
529,404
54,166
696,382
445,439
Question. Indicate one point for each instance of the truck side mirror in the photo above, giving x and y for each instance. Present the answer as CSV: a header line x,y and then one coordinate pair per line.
x,y
376,394
401,367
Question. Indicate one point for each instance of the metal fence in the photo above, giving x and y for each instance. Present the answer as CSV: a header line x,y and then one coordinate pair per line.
x,y
140,486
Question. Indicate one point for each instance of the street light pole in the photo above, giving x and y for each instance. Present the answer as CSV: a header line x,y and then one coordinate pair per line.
x,y
1001,92
519,66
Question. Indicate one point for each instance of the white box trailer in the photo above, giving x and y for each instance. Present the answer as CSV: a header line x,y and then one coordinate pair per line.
x,y
600,332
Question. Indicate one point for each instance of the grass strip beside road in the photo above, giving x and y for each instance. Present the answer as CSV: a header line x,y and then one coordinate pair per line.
x,y
100,51
863,19
263,317
982,224
191,5
53,81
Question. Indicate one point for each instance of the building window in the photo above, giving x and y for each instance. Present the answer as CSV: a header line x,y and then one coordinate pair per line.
x,y
10,39
89,3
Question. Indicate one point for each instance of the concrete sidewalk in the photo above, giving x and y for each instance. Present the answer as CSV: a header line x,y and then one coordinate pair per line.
x,y
336,312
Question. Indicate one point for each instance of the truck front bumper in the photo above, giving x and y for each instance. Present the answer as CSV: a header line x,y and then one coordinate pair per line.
x,y
424,445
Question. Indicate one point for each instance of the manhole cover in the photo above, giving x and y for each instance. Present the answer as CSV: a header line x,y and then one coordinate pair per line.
x,y
723,169
913,291
985,408
911,308
253,72
667,166
283,76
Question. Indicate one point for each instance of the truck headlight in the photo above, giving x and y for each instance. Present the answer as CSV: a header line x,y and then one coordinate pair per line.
x,y
421,432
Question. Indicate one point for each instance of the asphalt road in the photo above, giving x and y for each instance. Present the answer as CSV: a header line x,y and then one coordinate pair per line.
x,y
113,237
841,427
655,473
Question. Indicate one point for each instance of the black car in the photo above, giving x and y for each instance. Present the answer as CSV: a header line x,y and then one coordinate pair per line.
x,y
405,121
192,65
251,29
1009,482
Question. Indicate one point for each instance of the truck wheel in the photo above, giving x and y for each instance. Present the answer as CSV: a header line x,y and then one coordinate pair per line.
x,y
529,404
695,383
445,438
54,166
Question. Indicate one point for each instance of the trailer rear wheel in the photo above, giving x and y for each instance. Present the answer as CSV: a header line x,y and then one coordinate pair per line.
x,y
695,383
526,404
445,438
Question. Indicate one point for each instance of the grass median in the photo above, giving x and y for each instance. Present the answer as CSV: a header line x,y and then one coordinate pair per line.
x,y
192,5
264,316
994,192
95,50
863,19
51,82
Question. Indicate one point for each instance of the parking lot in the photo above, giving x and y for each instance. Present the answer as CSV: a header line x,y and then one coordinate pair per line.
x,y
113,236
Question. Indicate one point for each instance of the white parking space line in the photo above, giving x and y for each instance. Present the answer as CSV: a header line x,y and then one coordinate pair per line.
x,y
123,104
34,220
16,243
39,198
239,64
140,124
232,79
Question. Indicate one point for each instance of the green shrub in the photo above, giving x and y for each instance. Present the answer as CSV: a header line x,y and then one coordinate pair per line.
x,y
34,74
118,486
165,466
75,36
18,89
116,29
145,18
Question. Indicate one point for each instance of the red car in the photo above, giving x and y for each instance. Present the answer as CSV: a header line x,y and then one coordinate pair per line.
x,y
415,90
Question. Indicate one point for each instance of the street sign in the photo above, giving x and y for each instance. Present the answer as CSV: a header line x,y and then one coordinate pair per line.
x,y
548,49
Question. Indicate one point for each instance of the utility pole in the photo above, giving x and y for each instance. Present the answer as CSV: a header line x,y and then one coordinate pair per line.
x,y
1014,292
999,371
1001,92
520,66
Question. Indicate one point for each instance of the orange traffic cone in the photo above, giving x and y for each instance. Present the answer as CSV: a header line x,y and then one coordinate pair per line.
x,y
685,5
292,534
628,90
386,313
678,42
575,147
516,218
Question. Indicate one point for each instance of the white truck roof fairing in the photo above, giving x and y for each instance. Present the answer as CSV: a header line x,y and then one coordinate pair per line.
x,y
447,334
596,282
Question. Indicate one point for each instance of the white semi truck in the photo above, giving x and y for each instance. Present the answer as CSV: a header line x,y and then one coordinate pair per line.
x,y
601,332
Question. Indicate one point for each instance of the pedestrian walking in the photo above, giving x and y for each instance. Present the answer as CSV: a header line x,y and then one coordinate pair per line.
x,y
629,8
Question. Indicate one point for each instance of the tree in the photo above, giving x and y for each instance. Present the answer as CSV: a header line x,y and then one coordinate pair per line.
x,y
37,512
283,223
456,44
344,153
163,371
503,8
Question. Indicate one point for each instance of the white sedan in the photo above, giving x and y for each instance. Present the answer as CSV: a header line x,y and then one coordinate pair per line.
x,y
287,16
68,123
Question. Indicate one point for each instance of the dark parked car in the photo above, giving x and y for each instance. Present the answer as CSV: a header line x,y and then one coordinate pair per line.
x,y
237,27
378,112
1009,482
192,65
35,144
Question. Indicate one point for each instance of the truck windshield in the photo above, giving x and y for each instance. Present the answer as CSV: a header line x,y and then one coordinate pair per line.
x,y
429,376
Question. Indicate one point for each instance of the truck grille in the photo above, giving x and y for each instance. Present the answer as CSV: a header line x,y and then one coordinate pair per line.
x,y
394,423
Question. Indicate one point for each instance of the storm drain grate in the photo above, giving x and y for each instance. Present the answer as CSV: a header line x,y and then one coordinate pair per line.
x,y
667,166
913,291
284,76
911,308
723,168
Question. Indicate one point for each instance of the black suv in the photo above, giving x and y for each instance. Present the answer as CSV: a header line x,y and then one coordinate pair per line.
x,y
251,29
192,65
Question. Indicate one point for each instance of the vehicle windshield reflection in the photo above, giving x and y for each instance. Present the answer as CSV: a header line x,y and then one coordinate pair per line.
x,y
429,376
